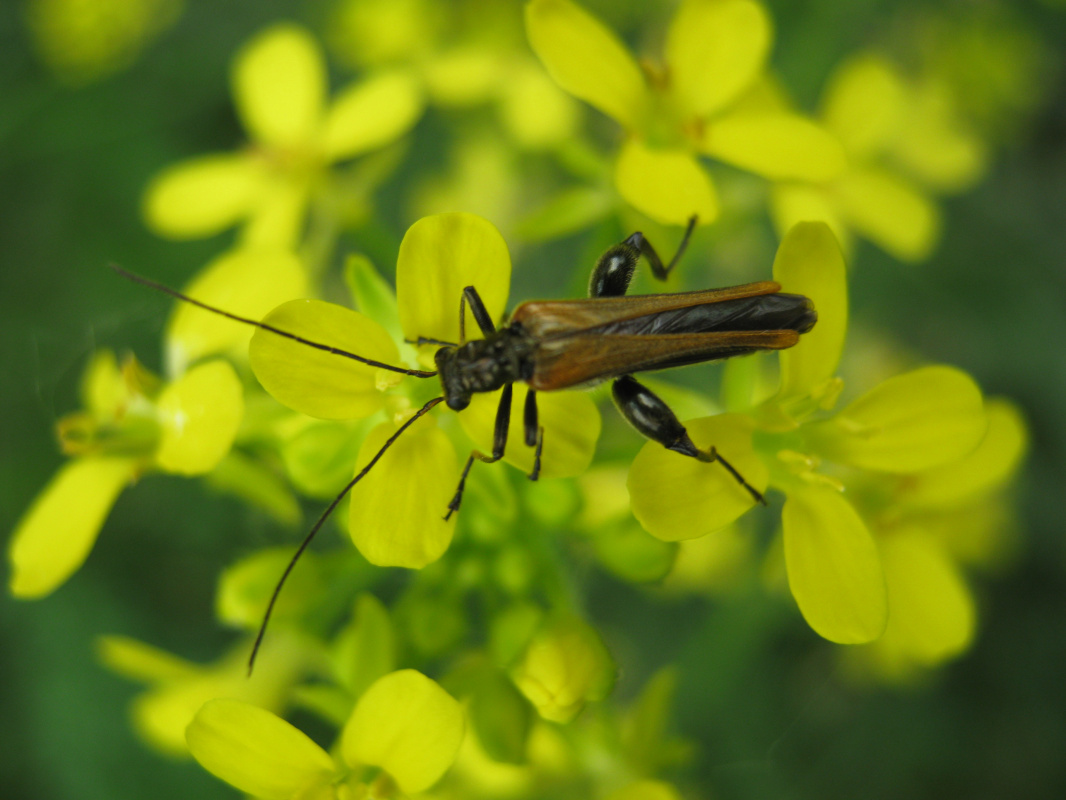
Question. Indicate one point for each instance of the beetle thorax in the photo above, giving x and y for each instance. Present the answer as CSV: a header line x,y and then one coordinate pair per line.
x,y
483,365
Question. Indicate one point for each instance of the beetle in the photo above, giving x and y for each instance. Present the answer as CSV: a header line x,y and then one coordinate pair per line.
x,y
563,344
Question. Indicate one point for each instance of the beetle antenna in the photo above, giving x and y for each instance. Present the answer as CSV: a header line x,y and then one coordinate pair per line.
x,y
159,287
325,514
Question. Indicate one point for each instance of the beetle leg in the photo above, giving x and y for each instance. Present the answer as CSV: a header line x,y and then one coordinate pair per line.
x,y
533,431
499,443
646,412
614,271
421,340
477,308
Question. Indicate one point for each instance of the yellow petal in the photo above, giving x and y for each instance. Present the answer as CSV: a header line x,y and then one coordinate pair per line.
x,y
864,104
279,82
314,382
396,515
834,570
991,464
778,146
677,497
791,203
889,212
246,282
536,112
56,534
142,662
938,149
103,390
439,256
409,726
931,611
199,414
586,59
202,196
715,49
809,262
277,218
565,666
667,185
371,114
908,423
571,425
256,751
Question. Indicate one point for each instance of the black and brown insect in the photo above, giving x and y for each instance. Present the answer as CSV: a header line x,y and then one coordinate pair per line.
x,y
565,344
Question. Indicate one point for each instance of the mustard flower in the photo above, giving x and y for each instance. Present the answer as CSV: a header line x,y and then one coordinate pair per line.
x,y
397,511
932,528
279,87
405,724
905,143
692,104
131,424
178,688
794,442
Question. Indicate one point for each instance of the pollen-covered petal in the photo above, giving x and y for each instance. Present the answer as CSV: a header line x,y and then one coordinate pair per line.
x,y
103,389
312,381
779,146
911,422
864,103
809,262
931,610
678,497
889,212
834,569
396,516
715,49
586,59
570,420
199,414
247,282
991,464
256,751
667,185
371,114
440,255
279,83
57,532
409,726
202,196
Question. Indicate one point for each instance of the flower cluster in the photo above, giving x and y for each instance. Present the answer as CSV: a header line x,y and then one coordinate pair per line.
x,y
475,668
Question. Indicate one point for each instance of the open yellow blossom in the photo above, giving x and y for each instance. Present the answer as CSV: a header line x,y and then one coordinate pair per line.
x,y
690,105
130,425
904,143
279,86
405,724
796,443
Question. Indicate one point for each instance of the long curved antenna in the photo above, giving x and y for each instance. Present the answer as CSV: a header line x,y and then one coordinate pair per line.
x,y
417,373
307,539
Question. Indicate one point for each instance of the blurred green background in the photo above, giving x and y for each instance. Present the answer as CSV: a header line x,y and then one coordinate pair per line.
x,y
758,689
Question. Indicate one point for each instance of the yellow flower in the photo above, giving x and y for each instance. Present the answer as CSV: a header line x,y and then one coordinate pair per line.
x,y
279,86
404,724
178,688
397,510
904,143
908,424
691,105
130,425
